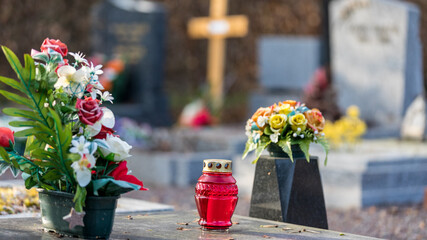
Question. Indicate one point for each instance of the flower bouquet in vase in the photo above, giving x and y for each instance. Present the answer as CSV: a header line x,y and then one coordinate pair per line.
x,y
286,129
72,155
287,185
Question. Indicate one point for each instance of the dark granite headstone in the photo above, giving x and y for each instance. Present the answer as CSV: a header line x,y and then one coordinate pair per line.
x,y
288,192
287,63
135,31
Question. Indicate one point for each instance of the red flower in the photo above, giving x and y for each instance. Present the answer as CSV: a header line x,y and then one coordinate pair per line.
x,y
5,135
121,173
89,110
55,45
103,133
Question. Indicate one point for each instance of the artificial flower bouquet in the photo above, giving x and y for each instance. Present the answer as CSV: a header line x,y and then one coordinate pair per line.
x,y
71,146
285,124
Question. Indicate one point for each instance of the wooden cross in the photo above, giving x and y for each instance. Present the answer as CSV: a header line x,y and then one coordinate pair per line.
x,y
216,28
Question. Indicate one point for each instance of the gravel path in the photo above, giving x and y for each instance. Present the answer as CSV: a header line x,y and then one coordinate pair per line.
x,y
391,222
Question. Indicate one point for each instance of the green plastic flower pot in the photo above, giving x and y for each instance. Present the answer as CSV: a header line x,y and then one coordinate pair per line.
x,y
98,221
276,151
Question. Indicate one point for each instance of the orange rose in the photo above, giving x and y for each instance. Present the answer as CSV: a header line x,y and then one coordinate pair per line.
x,y
292,103
261,112
315,119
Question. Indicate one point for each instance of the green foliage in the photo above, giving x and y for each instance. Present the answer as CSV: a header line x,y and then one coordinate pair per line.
x,y
44,125
112,187
324,143
285,145
79,198
264,142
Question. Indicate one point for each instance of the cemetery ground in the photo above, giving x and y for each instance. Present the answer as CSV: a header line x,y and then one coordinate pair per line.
x,y
388,222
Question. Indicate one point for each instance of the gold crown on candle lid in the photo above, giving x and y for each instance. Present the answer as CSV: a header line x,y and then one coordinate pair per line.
x,y
217,165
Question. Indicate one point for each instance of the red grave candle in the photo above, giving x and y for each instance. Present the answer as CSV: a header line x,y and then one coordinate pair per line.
x,y
216,195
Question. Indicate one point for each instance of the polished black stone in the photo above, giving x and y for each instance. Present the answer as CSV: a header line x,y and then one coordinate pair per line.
x,y
289,192
135,30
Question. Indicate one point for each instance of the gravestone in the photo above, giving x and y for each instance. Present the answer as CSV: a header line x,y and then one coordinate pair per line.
x,y
376,60
135,31
286,64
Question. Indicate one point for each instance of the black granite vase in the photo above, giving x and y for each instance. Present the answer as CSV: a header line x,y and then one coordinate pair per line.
x,y
288,191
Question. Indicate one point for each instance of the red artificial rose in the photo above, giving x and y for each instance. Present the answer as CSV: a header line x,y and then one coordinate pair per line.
x,y
89,110
103,133
5,135
121,173
55,45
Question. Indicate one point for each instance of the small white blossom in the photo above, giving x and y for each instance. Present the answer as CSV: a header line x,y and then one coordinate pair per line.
x,y
275,137
106,96
261,121
301,136
314,138
46,105
298,129
79,57
82,169
81,146
95,71
322,134
295,135
248,128
117,146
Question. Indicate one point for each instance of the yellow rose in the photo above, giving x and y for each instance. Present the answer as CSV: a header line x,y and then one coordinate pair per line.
x,y
284,109
277,122
298,121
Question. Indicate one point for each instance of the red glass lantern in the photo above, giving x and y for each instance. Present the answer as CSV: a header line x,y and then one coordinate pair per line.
x,y
216,195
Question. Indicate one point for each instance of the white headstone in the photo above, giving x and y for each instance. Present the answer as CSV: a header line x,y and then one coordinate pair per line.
x,y
376,58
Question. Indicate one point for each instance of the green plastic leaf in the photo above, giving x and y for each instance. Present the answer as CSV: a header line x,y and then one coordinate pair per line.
x,y
23,123
286,147
304,145
30,182
15,112
112,187
51,175
12,83
263,144
324,143
41,57
250,146
79,198
13,61
3,167
15,171
16,98
26,132
268,131
4,155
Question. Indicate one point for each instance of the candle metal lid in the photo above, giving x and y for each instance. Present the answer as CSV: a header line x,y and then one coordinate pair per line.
x,y
217,165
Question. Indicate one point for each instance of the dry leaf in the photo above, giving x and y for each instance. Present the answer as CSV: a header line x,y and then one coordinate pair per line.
x,y
130,217
269,226
310,231
265,236
182,229
287,228
183,223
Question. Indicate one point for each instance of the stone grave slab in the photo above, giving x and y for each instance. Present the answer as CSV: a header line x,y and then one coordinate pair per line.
x,y
376,59
135,31
375,172
286,65
167,226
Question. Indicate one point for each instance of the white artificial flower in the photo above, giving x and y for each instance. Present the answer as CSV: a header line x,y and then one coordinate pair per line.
x,y
95,71
117,146
81,146
79,57
108,120
93,130
261,121
275,137
256,137
71,80
106,96
82,169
